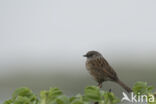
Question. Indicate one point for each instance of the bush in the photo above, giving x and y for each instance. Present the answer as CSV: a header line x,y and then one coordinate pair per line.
x,y
91,94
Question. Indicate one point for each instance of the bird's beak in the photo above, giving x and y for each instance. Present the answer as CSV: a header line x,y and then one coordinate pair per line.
x,y
84,55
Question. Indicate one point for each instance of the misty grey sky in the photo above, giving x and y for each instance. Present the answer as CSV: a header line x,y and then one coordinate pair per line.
x,y
61,31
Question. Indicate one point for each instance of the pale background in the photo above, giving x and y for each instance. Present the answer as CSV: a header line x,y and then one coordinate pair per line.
x,y
42,42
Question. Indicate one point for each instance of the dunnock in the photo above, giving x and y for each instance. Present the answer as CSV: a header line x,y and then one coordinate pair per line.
x,y
100,69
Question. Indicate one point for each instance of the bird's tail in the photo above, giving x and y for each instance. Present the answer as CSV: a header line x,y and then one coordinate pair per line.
x,y
124,86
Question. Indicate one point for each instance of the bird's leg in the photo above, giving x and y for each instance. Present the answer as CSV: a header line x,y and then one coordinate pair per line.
x,y
100,85
110,90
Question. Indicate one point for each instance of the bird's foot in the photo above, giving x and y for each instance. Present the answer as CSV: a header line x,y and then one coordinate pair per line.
x,y
100,85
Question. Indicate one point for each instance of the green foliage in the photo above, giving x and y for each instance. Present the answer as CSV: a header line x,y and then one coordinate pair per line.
x,y
22,96
55,96
51,96
141,88
92,93
110,98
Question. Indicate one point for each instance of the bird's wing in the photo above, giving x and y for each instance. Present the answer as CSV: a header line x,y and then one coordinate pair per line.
x,y
109,70
111,73
106,68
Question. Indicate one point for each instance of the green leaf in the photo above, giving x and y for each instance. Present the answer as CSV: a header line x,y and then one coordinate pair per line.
x,y
92,93
22,100
54,92
142,88
110,98
22,96
72,99
62,100
10,101
25,92
48,97
77,101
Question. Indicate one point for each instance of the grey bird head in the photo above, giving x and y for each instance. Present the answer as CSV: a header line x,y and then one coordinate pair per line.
x,y
92,54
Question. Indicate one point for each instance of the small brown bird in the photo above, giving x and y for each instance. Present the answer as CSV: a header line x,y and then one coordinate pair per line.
x,y
100,69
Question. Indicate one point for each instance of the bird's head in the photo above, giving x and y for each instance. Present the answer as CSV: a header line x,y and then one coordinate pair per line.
x,y
92,54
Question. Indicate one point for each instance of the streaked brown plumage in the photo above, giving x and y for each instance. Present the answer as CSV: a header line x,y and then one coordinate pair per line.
x,y
100,69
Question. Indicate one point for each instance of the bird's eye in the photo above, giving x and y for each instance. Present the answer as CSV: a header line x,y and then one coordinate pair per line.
x,y
90,55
